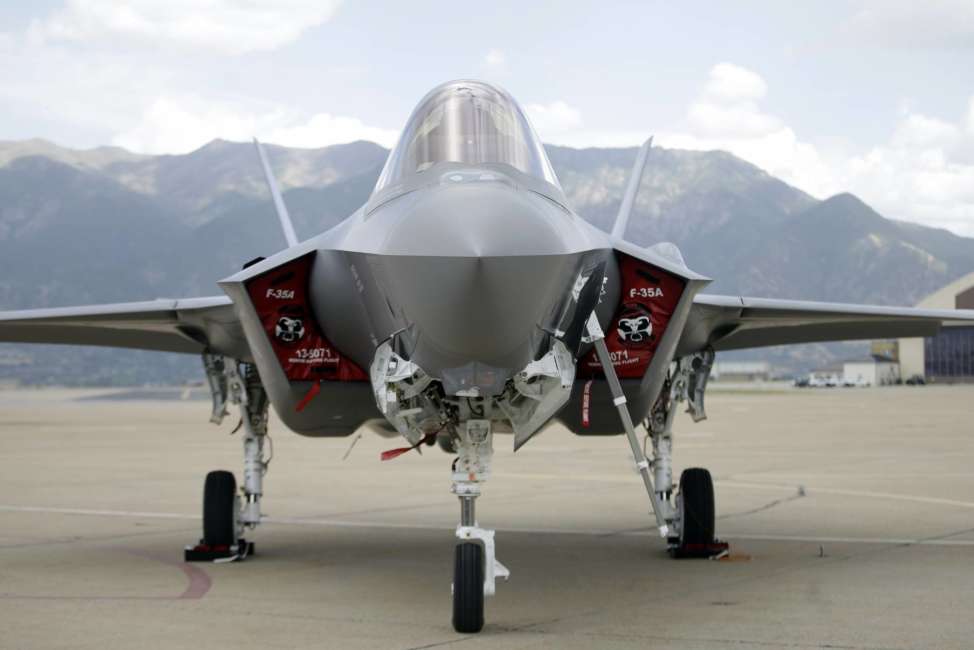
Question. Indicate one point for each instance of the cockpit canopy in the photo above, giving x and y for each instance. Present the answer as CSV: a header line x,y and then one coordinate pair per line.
x,y
468,122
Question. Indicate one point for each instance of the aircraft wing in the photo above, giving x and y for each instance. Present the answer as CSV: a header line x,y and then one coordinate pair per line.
x,y
190,325
733,323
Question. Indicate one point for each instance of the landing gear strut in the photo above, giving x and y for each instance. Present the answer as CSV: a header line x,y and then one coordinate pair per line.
x,y
686,520
691,511
475,568
227,513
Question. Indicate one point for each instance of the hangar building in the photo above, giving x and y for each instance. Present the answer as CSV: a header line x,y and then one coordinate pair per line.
x,y
947,357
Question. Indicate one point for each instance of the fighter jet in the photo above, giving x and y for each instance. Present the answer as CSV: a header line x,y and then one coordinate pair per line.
x,y
466,300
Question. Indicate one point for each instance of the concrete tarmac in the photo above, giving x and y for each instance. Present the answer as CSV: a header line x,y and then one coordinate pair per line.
x,y
850,514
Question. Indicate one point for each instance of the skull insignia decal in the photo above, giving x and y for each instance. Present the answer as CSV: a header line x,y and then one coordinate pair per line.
x,y
635,325
289,329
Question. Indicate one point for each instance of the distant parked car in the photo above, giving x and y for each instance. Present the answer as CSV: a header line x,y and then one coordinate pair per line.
x,y
916,380
801,382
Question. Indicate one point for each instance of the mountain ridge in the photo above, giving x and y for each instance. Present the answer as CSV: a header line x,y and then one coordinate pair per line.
x,y
102,225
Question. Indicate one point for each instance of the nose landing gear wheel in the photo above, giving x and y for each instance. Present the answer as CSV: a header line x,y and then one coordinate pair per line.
x,y
468,588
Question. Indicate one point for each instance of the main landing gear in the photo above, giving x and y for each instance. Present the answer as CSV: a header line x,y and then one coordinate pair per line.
x,y
227,512
686,520
691,511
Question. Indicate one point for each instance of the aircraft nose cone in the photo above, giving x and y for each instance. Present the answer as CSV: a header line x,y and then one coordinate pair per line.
x,y
478,271
477,319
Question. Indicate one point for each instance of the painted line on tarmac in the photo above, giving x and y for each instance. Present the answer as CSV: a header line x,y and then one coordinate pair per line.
x,y
343,523
812,490
850,540
99,513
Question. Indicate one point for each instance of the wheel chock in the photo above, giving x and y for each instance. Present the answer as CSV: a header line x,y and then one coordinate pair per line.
x,y
203,552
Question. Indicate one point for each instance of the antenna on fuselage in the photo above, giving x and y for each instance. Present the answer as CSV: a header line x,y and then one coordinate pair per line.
x,y
282,214
635,177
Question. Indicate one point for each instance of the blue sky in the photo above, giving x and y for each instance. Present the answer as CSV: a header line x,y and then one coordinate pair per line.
x,y
870,97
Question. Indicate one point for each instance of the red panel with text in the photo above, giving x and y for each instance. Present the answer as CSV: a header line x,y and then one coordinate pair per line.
x,y
281,297
648,297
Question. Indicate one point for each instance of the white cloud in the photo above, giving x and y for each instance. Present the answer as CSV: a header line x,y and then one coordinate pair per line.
x,y
726,115
778,152
551,120
225,26
728,105
732,83
181,124
744,120
495,58
915,130
88,93
923,173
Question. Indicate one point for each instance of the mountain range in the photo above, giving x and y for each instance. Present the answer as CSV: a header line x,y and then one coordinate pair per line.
x,y
107,225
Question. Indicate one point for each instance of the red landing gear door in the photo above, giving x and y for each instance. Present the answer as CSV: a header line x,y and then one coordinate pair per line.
x,y
281,297
648,296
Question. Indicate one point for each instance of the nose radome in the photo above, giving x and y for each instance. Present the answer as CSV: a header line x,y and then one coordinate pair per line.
x,y
490,311
480,219
479,272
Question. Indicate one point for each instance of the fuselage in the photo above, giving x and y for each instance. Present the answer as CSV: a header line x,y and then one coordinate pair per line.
x,y
460,290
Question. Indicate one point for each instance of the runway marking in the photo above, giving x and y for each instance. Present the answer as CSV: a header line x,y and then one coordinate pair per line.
x,y
343,523
811,490
198,586
850,540
199,582
103,513
757,485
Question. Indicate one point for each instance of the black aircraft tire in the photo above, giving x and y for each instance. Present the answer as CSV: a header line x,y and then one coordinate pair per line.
x,y
697,491
468,588
219,491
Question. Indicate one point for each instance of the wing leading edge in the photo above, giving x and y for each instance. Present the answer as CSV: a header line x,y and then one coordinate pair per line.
x,y
733,323
190,325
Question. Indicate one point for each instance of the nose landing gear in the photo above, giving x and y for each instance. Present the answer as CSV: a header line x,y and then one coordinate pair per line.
x,y
475,566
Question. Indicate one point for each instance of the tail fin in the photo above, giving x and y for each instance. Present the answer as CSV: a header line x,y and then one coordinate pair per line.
x,y
282,214
635,177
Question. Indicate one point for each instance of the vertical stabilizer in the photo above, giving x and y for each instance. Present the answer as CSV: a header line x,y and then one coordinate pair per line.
x,y
282,214
635,177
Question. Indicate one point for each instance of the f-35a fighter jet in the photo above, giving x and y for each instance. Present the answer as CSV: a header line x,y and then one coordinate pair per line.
x,y
466,301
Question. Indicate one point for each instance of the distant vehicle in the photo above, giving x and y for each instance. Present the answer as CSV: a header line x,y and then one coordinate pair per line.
x,y
465,299
801,382
916,380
